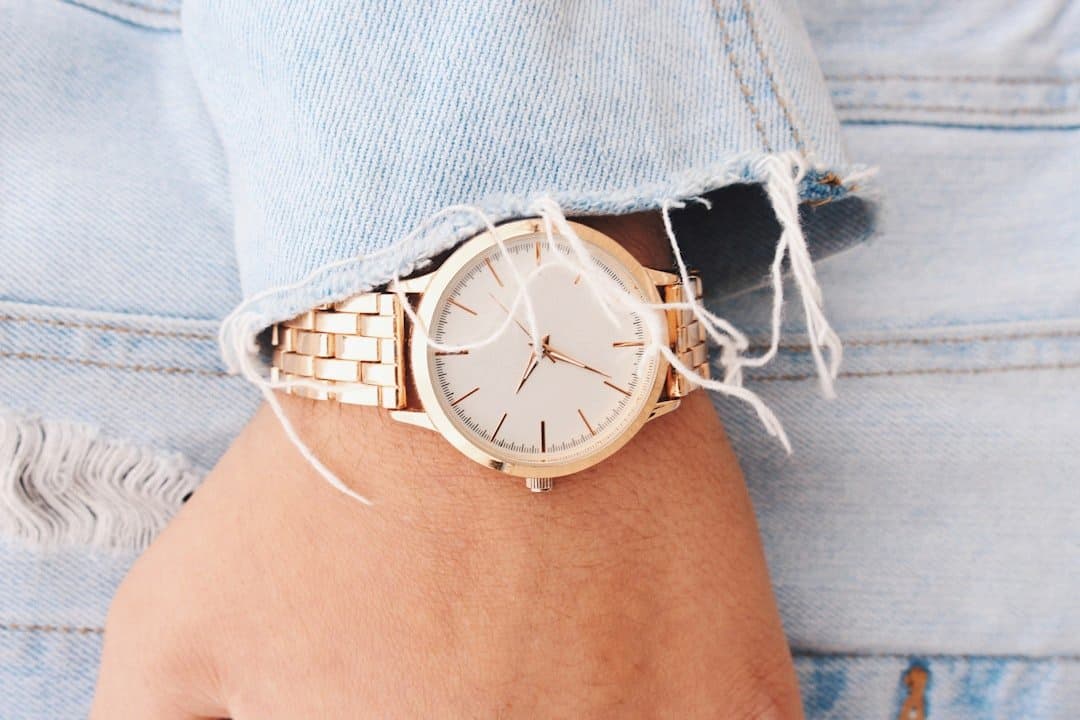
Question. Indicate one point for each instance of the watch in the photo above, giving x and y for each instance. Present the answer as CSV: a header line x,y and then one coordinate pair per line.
x,y
536,405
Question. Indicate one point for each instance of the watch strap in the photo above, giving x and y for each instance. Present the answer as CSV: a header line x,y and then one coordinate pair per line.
x,y
689,340
352,351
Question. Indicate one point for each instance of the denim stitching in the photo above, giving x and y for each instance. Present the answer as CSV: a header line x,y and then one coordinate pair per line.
x,y
142,8
108,328
737,69
811,654
765,61
922,371
166,370
962,109
941,341
960,79
66,629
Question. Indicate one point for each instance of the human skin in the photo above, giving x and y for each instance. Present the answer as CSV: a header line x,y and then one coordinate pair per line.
x,y
637,588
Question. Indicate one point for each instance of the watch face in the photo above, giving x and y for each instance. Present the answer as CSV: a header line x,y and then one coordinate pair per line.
x,y
564,404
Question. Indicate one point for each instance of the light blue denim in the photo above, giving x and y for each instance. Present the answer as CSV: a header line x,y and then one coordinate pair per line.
x,y
157,169
350,125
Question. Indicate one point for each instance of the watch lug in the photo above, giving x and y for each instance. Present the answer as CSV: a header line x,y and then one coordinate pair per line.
x,y
416,284
419,418
662,277
663,407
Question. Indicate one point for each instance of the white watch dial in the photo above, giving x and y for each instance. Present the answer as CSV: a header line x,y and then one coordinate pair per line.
x,y
572,397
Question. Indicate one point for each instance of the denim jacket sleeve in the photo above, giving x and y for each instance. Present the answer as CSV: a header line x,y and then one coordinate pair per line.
x,y
363,138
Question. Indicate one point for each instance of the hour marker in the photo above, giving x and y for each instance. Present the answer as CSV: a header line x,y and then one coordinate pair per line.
x,y
464,396
537,244
451,352
498,427
487,261
577,279
543,437
616,387
628,343
469,310
582,416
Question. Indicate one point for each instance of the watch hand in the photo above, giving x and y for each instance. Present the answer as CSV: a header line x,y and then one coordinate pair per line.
x,y
507,311
533,362
556,355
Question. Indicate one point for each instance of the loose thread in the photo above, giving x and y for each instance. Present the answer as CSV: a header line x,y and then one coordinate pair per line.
x,y
781,175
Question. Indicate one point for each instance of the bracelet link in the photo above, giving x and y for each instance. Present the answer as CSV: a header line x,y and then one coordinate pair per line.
x,y
351,351
688,338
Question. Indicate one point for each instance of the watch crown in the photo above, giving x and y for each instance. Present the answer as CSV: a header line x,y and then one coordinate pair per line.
x,y
538,485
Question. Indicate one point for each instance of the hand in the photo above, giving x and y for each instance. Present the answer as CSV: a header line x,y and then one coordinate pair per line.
x,y
458,594
636,588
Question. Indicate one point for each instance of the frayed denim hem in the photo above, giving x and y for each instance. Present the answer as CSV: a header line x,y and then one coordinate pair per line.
x,y
444,230
787,178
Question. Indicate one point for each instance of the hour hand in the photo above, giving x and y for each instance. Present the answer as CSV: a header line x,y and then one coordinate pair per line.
x,y
533,362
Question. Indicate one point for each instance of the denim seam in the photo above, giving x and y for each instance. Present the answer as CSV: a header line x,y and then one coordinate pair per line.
x,y
765,57
957,79
135,6
827,654
162,370
144,17
886,342
856,374
736,68
108,328
973,125
962,109
64,629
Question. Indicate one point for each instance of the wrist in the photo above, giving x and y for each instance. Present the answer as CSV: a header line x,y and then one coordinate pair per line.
x,y
642,234
639,582
398,466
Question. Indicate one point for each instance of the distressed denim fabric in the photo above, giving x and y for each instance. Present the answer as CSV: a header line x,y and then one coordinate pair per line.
x,y
352,126
150,181
116,266
931,513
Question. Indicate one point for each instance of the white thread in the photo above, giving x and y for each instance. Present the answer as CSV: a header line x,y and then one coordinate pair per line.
x,y
781,174
652,313
735,341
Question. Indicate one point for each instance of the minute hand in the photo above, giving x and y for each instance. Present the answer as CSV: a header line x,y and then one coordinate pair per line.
x,y
563,357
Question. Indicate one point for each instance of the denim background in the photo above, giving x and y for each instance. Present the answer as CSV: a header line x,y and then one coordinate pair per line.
x,y
929,514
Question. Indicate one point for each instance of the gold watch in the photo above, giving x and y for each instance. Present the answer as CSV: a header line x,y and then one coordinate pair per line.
x,y
537,410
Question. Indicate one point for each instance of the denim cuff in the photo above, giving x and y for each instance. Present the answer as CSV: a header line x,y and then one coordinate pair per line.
x,y
365,138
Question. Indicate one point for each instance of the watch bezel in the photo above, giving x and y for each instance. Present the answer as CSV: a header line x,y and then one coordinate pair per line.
x,y
419,357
